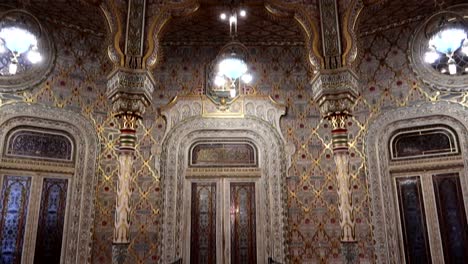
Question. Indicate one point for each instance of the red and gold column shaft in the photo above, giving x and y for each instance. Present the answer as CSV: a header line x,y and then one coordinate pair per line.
x,y
127,142
341,157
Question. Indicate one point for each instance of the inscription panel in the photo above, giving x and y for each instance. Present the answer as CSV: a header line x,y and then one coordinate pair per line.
x,y
223,154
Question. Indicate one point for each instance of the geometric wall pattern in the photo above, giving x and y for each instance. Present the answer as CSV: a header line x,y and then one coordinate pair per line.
x,y
78,82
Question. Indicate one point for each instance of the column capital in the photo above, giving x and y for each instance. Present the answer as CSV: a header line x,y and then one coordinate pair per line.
x,y
335,91
130,91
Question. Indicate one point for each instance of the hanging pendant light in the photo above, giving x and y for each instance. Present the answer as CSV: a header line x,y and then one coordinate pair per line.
x,y
231,71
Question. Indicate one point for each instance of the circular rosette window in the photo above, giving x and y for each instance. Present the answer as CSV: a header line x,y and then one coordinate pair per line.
x,y
26,55
439,50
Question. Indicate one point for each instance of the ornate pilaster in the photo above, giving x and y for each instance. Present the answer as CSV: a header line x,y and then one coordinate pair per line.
x,y
130,93
331,39
335,92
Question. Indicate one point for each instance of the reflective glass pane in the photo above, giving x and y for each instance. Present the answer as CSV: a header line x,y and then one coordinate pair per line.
x,y
452,217
423,143
51,218
413,220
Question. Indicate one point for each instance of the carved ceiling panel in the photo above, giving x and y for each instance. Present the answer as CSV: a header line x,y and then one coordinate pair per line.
x,y
205,28
386,13
72,13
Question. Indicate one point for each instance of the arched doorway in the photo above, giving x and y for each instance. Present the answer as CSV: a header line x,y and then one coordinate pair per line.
x,y
261,179
67,176
416,186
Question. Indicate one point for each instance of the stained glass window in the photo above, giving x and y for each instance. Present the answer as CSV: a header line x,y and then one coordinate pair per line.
x,y
243,236
423,142
39,144
13,210
203,224
51,220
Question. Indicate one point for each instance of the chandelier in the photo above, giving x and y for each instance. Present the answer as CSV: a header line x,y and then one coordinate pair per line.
x,y
447,43
229,72
19,42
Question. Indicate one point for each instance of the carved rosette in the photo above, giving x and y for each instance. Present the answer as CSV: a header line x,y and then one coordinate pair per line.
x,y
335,91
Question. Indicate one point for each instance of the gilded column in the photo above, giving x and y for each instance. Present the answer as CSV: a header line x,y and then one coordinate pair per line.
x,y
340,155
129,88
130,92
335,91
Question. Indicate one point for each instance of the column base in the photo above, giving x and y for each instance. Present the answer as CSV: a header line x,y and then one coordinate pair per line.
x,y
350,252
119,253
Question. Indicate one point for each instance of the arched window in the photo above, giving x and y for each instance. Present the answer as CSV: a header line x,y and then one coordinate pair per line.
x,y
47,185
418,184
417,189
35,197
423,142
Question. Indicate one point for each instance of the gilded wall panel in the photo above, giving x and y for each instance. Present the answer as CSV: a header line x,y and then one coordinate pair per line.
x,y
78,83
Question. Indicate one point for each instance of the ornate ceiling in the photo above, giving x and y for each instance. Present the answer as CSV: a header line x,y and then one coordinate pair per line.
x,y
204,27
71,13
381,15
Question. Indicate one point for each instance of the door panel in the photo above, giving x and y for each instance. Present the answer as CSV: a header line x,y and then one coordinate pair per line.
x,y
452,218
413,220
203,224
243,242
227,236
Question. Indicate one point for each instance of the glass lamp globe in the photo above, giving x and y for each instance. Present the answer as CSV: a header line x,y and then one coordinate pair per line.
x,y
232,68
17,39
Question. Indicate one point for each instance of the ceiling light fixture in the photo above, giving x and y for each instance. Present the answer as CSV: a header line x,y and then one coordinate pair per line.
x,y
19,47
230,72
447,43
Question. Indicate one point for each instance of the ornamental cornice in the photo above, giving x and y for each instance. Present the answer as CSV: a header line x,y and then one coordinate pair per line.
x,y
209,172
37,165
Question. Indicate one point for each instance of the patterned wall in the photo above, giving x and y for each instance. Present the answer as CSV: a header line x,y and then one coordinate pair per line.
x,y
78,82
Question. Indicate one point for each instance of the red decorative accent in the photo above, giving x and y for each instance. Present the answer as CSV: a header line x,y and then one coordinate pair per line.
x,y
339,131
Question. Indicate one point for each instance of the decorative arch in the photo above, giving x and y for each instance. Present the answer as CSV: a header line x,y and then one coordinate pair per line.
x,y
260,125
308,17
387,249
157,24
80,222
